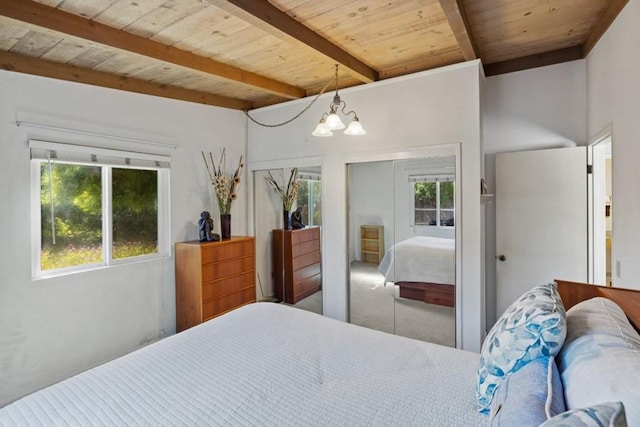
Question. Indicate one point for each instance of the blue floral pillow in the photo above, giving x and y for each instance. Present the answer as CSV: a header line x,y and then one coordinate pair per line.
x,y
603,415
533,326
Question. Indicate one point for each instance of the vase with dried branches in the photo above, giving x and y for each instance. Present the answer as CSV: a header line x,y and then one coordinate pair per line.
x,y
287,194
224,186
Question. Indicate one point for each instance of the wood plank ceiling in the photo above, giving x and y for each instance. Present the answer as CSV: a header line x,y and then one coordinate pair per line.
x,y
244,54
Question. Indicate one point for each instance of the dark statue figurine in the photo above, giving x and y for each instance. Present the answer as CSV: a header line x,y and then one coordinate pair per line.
x,y
205,225
296,219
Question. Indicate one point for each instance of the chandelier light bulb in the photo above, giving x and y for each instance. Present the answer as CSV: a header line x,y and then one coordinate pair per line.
x,y
355,128
333,121
322,130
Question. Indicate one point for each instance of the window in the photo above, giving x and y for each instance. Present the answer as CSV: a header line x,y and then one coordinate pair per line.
x,y
434,201
96,208
310,195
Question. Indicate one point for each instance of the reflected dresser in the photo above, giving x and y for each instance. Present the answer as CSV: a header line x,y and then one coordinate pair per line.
x,y
297,270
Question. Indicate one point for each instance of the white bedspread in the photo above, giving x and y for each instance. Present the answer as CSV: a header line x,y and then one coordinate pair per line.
x,y
420,259
266,364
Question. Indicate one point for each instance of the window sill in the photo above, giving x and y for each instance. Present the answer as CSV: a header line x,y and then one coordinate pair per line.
x,y
95,267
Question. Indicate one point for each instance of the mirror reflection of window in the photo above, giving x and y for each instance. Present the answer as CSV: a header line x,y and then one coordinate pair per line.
x,y
310,196
434,201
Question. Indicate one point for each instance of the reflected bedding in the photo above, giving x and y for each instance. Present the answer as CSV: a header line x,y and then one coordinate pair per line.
x,y
420,259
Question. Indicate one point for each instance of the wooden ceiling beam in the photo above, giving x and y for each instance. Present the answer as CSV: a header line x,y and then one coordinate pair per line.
x,y
24,64
609,15
74,25
274,17
534,61
457,17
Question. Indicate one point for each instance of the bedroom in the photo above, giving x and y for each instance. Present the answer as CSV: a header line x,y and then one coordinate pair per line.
x,y
54,328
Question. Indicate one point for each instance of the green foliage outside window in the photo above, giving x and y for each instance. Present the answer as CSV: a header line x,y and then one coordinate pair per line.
x,y
315,188
78,214
426,203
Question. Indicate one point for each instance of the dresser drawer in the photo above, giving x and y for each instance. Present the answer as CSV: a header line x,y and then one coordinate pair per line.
x,y
218,306
226,286
305,234
218,270
306,287
225,251
305,260
305,248
306,272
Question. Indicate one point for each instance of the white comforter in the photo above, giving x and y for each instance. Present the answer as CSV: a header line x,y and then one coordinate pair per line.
x,y
420,259
266,364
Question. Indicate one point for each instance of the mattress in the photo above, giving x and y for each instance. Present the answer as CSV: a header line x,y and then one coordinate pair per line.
x,y
420,259
266,364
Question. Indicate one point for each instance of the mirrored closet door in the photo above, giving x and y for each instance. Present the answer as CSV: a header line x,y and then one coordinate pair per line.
x,y
287,226
402,246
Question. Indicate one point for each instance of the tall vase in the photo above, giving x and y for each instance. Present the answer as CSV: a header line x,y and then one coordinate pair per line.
x,y
225,226
286,220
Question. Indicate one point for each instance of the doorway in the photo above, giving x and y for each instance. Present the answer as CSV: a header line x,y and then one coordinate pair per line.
x,y
600,210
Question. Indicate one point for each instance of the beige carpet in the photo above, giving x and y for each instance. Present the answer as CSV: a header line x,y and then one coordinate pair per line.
x,y
375,306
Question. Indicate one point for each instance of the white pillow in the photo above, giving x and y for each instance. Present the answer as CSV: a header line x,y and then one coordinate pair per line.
x,y
600,360
533,326
603,415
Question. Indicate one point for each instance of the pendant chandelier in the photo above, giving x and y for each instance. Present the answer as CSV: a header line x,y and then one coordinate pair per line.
x,y
331,121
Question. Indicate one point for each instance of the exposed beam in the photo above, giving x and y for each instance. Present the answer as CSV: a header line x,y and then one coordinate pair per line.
x,y
609,15
28,65
533,61
68,23
274,17
457,17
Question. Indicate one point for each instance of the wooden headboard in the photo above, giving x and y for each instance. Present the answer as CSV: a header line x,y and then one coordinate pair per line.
x,y
628,299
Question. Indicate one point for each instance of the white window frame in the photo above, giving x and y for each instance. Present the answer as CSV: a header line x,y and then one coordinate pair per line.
x,y
164,238
412,199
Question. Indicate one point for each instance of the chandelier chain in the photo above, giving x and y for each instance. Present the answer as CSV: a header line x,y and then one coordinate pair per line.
x,y
292,118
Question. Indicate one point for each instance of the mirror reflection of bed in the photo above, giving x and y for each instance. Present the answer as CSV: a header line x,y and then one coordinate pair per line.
x,y
408,287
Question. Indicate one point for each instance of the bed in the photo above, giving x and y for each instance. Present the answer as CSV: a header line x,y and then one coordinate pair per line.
x,y
266,364
272,364
423,268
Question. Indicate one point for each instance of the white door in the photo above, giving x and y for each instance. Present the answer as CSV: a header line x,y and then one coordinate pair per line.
x,y
541,220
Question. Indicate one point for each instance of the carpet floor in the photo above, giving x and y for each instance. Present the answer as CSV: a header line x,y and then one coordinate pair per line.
x,y
376,306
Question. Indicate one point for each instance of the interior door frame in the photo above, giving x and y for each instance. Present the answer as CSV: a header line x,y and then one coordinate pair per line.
x,y
599,137
439,150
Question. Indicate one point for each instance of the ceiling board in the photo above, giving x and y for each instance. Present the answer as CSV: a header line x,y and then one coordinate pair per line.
x,y
213,51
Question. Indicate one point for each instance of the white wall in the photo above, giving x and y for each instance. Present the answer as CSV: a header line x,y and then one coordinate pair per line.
x,y
425,109
613,91
371,202
527,110
56,327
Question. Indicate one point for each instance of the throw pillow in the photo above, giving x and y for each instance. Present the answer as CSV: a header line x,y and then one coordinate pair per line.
x,y
531,327
602,415
529,396
600,360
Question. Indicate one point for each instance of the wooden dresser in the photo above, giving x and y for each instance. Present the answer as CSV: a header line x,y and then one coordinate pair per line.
x,y
213,278
297,270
